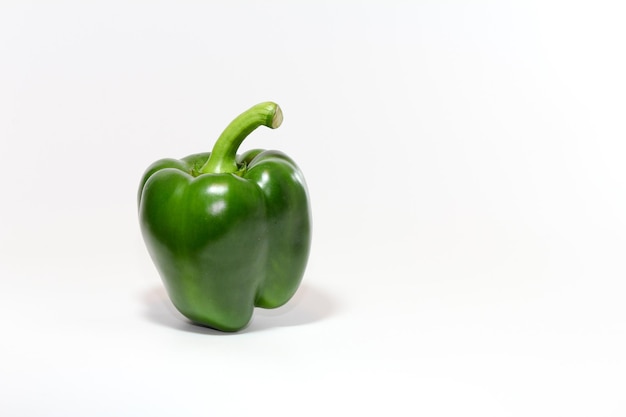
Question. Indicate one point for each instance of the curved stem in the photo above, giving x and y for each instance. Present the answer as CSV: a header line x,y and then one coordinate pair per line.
x,y
222,159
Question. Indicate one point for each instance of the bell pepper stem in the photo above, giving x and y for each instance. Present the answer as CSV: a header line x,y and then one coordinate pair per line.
x,y
223,156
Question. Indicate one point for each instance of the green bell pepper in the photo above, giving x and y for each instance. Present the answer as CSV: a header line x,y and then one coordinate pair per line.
x,y
228,232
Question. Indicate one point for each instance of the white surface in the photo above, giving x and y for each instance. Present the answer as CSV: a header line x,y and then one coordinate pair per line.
x,y
466,169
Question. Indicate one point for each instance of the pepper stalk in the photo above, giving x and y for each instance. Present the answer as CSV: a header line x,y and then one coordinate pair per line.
x,y
223,156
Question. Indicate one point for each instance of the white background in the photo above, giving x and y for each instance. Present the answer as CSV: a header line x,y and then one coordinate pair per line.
x,y
465,162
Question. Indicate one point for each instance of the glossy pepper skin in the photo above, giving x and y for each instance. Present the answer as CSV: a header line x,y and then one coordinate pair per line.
x,y
228,232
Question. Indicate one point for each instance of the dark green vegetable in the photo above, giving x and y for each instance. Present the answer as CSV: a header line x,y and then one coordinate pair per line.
x,y
227,232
